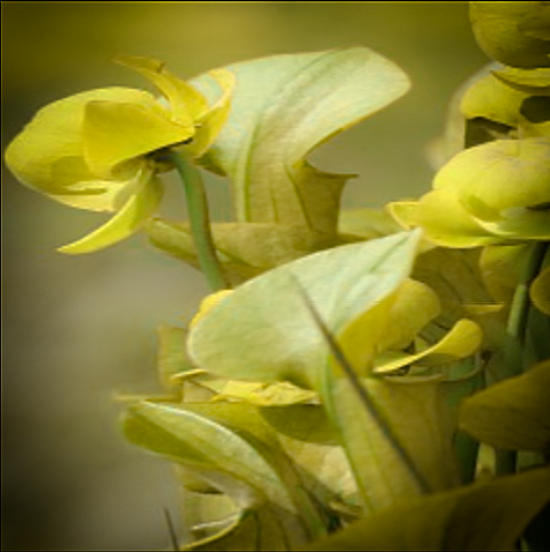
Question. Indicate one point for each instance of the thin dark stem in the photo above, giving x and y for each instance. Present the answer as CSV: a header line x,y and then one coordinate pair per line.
x,y
199,221
506,460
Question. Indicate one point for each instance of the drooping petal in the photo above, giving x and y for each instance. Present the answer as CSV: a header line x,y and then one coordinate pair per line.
x,y
187,103
125,223
462,341
48,154
114,132
211,123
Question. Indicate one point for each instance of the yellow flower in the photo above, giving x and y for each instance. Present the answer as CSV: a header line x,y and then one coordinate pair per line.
x,y
494,193
102,150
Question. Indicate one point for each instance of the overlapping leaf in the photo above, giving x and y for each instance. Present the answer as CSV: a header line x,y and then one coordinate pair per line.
x,y
284,106
245,249
480,517
276,338
513,414
232,448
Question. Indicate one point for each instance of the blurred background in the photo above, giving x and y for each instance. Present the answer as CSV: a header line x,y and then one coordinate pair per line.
x,y
77,330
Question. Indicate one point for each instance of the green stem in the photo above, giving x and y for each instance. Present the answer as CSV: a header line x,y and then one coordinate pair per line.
x,y
519,312
199,221
506,460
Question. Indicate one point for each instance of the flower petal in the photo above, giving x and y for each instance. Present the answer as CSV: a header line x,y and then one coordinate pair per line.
x,y
125,223
186,102
114,132
463,340
212,122
416,304
446,222
48,154
501,174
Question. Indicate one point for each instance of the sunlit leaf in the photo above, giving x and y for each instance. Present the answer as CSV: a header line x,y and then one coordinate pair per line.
x,y
284,106
233,449
245,249
367,223
263,330
417,418
512,414
479,517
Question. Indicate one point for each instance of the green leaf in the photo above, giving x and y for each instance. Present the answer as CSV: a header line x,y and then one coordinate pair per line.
x,y
455,276
480,517
232,448
410,414
513,414
285,106
245,249
276,338
367,223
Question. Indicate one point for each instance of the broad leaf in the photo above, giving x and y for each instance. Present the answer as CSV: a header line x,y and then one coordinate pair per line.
x,y
480,517
245,249
513,414
232,448
264,331
283,107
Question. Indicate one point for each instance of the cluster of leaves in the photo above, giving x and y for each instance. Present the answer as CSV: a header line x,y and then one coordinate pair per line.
x,y
336,399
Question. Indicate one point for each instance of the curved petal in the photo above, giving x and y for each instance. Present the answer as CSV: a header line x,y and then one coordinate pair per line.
x,y
446,222
186,102
212,122
48,154
415,305
521,224
492,99
125,223
114,132
501,174
463,340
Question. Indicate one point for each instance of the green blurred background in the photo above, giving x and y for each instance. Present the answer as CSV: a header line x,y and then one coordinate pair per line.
x,y
79,329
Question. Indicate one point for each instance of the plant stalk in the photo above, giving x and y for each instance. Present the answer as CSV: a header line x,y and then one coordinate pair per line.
x,y
199,221
506,460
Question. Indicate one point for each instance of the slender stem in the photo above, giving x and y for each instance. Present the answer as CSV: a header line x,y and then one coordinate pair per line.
x,y
517,330
519,312
197,208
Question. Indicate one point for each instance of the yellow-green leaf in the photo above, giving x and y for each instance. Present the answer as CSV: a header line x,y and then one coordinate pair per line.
x,y
513,414
231,447
477,518
284,106
276,338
